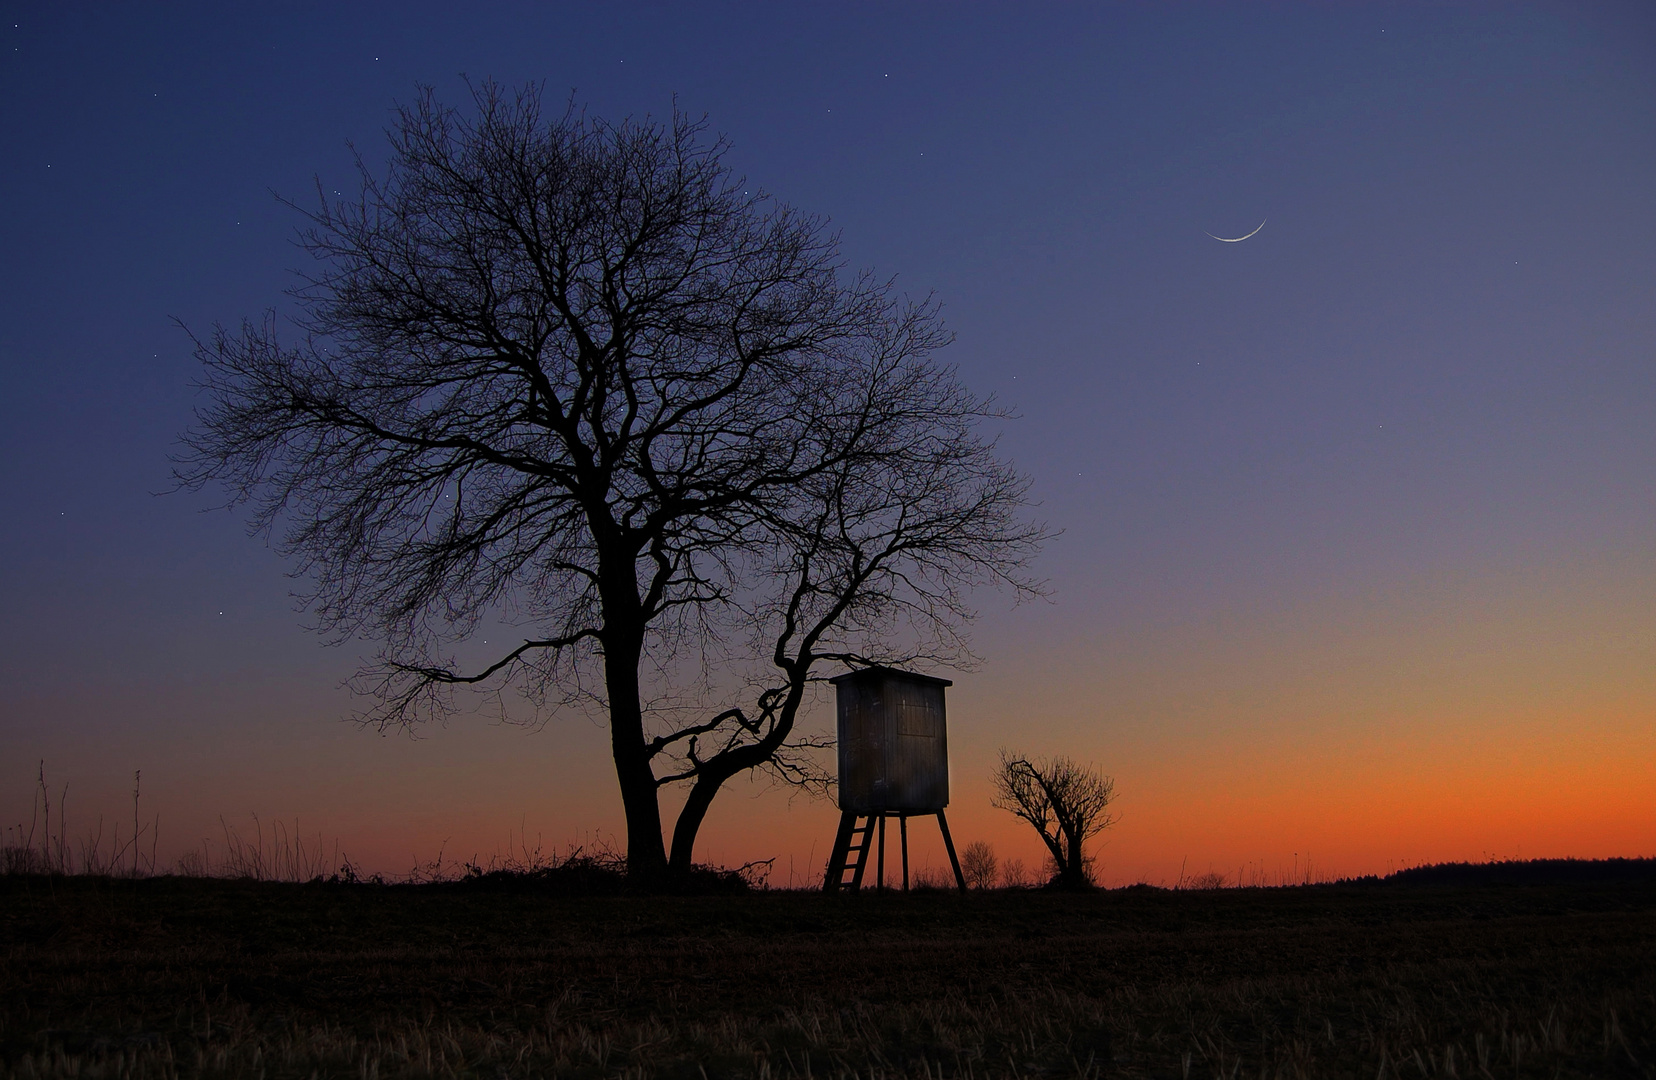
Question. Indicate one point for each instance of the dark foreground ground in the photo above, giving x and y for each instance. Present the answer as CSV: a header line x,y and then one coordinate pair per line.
x,y
195,977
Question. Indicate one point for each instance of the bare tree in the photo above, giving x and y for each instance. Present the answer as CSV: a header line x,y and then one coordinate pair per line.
x,y
1065,801
978,864
579,376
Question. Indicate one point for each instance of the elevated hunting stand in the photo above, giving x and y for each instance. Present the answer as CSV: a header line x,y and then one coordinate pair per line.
x,y
893,762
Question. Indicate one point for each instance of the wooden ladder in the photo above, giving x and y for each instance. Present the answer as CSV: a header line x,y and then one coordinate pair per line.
x,y
850,855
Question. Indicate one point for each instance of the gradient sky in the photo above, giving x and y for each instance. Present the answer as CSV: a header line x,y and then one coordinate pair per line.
x,y
1358,564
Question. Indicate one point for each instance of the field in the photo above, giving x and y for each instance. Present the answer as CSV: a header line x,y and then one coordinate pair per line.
x,y
203,977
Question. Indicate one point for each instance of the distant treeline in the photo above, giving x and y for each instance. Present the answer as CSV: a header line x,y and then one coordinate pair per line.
x,y
1527,872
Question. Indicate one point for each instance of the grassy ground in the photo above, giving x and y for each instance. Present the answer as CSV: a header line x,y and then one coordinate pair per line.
x,y
174,976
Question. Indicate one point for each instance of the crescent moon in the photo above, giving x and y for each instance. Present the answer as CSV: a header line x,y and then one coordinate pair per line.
x,y
1236,239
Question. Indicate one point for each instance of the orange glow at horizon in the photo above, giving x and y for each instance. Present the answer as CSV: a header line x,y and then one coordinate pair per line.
x,y
1264,815
1445,719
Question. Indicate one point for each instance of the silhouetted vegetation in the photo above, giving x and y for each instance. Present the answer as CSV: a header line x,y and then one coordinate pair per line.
x,y
589,875
1066,803
582,374
979,865
496,976
1528,872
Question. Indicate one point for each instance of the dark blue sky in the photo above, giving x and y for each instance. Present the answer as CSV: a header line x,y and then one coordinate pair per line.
x,y
1425,387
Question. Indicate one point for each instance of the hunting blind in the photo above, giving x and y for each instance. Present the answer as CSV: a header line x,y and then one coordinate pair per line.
x,y
893,762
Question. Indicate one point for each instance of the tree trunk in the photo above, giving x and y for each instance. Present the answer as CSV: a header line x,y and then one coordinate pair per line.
x,y
690,820
646,854
722,768
623,644
1075,869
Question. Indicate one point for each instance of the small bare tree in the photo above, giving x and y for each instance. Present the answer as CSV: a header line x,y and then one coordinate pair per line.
x,y
978,864
579,376
1065,801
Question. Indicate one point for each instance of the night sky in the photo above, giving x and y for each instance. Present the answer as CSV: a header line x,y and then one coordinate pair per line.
x,y
1358,561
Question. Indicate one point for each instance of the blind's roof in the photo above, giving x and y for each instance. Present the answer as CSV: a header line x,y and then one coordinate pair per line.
x,y
869,673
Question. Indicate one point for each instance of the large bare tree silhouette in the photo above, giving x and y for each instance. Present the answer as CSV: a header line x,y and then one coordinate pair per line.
x,y
579,375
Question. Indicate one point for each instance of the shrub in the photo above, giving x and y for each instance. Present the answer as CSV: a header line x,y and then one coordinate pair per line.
x,y
978,865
